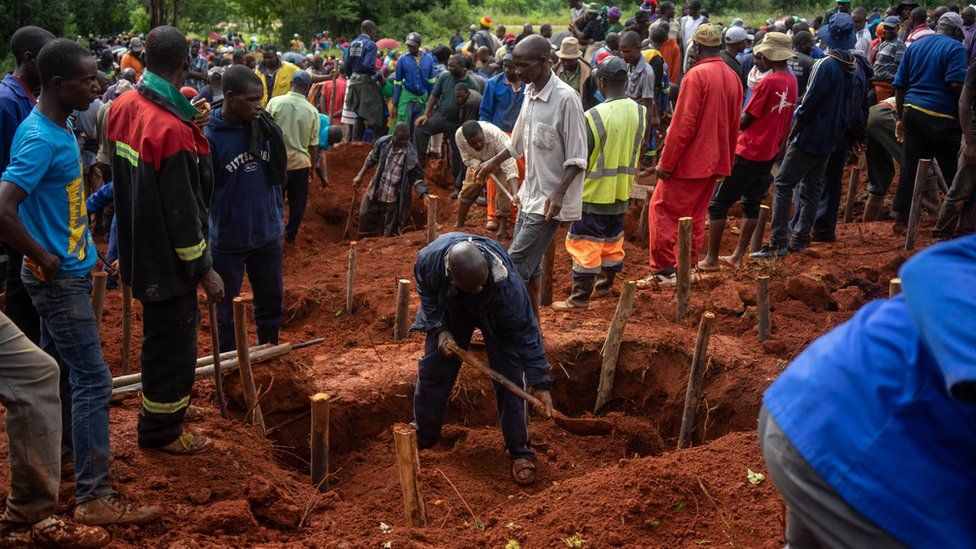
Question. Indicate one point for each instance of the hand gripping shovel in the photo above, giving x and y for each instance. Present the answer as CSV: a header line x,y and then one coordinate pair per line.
x,y
577,426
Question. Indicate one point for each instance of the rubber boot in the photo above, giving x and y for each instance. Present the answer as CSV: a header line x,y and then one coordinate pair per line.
x,y
579,298
872,208
604,283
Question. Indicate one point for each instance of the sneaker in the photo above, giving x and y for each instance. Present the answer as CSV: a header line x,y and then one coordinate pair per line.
x,y
491,225
795,247
770,252
58,532
188,444
115,509
664,277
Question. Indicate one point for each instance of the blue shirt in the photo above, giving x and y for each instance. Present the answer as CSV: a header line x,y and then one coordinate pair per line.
x,y
927,69
45,162
246,211
324,124
361,56
500,103
821,113
416,76
15,104
874,405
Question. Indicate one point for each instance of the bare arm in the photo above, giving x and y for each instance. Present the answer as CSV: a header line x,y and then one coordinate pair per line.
x,y
14,233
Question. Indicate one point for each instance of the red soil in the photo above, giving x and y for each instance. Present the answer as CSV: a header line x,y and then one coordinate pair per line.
x,y
626,489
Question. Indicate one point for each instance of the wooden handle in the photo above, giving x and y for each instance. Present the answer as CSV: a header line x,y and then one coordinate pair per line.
x,y
472,361
215,344
501,186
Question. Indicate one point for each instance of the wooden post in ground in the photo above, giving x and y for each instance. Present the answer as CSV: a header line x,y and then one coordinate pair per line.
x,y
760,231
126,327
244,361
695,379
99,279
320,441
351,278
684,267
642,224
431,218
894,287
611,348
915,212
852,193
408,464
762,300
402,308
545,293
215,347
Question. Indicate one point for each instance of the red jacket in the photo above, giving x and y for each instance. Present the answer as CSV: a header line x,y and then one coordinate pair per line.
x,y
702,137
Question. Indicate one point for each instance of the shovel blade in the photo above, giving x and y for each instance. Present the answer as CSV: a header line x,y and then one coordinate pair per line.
x,y
587,427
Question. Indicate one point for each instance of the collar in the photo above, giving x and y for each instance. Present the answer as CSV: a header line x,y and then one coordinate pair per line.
x,y
169,93
496,266
717,59
19,88
546,90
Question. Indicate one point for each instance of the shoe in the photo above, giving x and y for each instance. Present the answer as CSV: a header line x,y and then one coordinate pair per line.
x,y
579,298
795,247
58,532
770,252
193,414
815,237
188,444
491,225
455,194
523,471
664,277
115,509
872,208
481,201
604,283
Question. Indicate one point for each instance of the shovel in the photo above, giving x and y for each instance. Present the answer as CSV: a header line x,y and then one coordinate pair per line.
x,y
577,426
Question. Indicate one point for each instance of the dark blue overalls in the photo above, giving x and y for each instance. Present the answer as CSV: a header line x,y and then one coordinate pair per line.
x,y
504,314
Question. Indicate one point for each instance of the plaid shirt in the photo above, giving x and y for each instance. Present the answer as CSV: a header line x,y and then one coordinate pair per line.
x,y
389,181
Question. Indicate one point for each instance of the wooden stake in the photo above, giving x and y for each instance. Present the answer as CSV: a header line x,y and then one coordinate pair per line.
x,y
852,194
99,279
408,464
402,308
545,293
320,441
760,231
894,287
126,327
642,235
215,345
762,293
611,348
695,379
244,361
431,218
915,212
351,278
684,267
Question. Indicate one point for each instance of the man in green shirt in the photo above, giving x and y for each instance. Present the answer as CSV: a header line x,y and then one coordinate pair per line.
x,y
447,119
299,123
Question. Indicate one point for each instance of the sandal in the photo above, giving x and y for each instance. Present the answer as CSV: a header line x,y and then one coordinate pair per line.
x,y
523,471
188,444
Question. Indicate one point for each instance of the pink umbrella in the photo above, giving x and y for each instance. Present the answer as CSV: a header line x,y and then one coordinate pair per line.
x,y
387,44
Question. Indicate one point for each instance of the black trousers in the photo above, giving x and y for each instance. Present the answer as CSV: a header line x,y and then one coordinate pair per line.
x,y
296,189
748,182
926,136
437,124
169,357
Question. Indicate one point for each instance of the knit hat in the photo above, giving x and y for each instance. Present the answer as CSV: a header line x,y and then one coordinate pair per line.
x,y
708,35
486,22
614,12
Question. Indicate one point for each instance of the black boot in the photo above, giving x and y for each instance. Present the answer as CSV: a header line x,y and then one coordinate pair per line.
x,y
579,299
604,283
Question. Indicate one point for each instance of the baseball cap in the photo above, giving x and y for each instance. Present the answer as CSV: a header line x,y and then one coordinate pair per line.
x,y
414,39
708,35
301,78
951,19
612,69
592,8
737,34
892,22
136,44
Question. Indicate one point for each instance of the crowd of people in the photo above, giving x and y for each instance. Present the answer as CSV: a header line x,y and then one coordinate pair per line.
x,y
185,152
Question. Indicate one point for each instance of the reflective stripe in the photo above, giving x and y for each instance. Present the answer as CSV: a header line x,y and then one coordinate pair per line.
x,y
127,153
192,252
610,263
577,268
589,238
165,407
613,172
398,82
431,80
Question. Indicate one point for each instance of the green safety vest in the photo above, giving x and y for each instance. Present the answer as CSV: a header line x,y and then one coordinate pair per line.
x,y
618,129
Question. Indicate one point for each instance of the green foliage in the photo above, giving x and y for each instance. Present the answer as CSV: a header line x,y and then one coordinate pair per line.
x,y
53,15
138,19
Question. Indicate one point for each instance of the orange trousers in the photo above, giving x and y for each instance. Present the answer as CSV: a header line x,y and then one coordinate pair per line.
x,y
492,191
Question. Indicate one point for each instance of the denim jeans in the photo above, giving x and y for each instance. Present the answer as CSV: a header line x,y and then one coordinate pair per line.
x,y
530,241
807,171
68,323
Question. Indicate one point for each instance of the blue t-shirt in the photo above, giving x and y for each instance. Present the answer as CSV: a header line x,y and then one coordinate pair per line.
x,y
324,124
874,406
45,162
927,69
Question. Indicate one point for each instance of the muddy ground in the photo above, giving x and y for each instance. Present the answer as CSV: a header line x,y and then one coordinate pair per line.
x,y
628,489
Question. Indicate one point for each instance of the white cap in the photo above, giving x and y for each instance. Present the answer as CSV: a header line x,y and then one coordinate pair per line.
x,y
734,35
